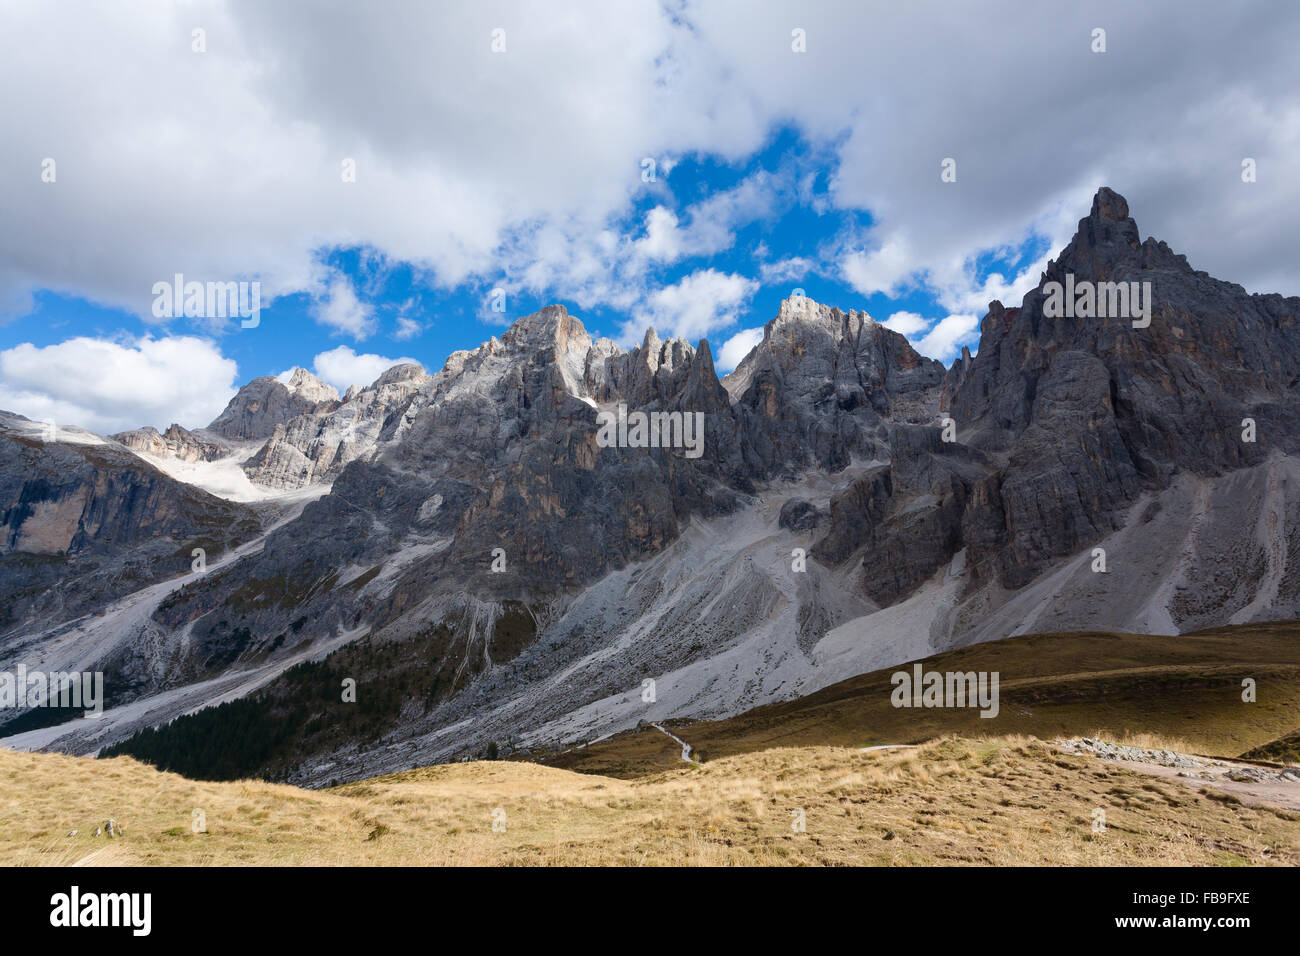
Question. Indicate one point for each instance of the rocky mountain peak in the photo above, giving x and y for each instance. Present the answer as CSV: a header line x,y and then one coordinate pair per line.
x,y
801,310
266,402
704,356
1109,206
668,354
406,372
1106,238
1123,393
550,326
308,387
317,445
176,443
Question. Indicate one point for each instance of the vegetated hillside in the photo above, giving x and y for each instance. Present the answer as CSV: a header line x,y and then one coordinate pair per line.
x,y
312,708
951,802
1187,688
1283,750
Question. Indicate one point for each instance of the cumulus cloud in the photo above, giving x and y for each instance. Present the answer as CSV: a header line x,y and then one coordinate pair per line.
x,y
735,349
940,340
342,367
883,269
713,221
906,323
109,386
526,165
663,240
265,119
341,310
786,270
943,342
407,328
700,303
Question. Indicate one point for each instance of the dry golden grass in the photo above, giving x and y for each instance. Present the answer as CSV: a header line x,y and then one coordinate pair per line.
x,y
1007,801
1184,690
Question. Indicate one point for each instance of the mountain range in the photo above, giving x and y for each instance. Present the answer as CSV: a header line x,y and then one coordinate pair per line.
x,y
494,578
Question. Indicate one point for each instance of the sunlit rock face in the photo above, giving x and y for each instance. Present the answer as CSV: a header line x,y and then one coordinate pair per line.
x,y
266,402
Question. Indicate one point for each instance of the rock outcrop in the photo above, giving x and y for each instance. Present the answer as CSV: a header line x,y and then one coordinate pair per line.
x,y
314,446
821,382
266,402
175,442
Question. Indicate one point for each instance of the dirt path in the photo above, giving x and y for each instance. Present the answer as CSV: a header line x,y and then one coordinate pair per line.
x,y
686,748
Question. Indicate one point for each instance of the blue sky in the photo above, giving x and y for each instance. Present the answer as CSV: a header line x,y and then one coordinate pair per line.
x,y
788,235
211,139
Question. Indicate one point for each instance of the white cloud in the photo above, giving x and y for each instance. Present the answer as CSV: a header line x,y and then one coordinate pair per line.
x,y
943,342
711,223
108,386
735,349
786,270
341,310
700,303
550,133
407,328
538,182
342,367
663,239
906,323
961,292
597,264
884,269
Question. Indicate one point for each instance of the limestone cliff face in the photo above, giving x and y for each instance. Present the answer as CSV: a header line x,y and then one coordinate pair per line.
x,y
175,442
1087,411
822,381
314,446
516,420
83,520
266,402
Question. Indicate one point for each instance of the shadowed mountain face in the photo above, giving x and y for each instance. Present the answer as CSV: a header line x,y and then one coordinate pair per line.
x,y
1088,411
497,563
85,521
